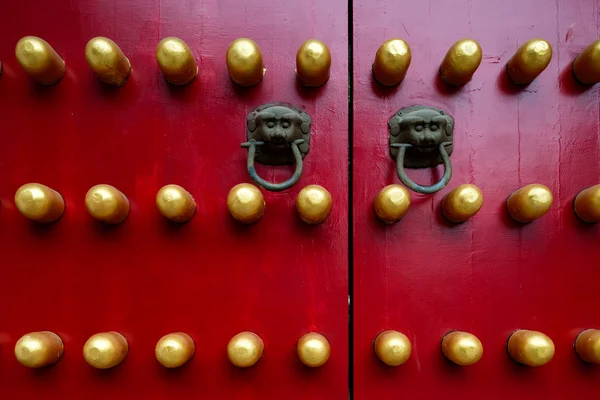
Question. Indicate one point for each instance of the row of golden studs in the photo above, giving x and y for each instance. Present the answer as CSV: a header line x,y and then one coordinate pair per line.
x,y
313,61
526,347
108,204
175,60
313,203
464,57
523,205
108,349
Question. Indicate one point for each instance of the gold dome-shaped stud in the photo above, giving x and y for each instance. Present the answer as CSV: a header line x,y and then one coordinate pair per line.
x,y
461,62
105,350
391,62
245,349
313,63
391,203
246,203
176,61
586,66
245,62
462,203
313,204
462,348
530,348
529,61
175,203
392,348
587,204
587,346
313,349
39,203
529,203
174,350
107,61
39,349
107,204
40,60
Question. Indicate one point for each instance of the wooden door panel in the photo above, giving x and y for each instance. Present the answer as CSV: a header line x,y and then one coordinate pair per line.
x,y
489,276
146,277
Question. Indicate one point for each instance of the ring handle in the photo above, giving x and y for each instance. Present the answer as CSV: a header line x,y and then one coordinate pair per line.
x,y
273,187
409,183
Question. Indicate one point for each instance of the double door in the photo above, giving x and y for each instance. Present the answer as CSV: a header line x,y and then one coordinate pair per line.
x,y
267,273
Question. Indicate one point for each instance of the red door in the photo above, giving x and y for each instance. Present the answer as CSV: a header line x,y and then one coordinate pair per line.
x,y
146,277
490,276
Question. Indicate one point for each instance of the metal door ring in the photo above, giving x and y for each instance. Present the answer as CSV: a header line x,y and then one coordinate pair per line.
x,y
273,187
415,187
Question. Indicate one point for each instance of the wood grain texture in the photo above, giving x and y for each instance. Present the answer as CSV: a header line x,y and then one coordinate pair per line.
x,y
489,276
211,277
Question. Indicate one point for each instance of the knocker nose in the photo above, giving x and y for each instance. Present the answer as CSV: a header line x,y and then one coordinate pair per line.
x,y
430,138
427,140
278,138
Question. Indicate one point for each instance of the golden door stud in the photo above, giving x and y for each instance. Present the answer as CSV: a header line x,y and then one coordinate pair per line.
x,y
530,348
392,348
105,350
391,62
462,348
462,203
587,204
107,204
39,349
313,204
175,203
587,346
174,350
529,61
246,203
40,60
391,203
313,349
245,349
176,61
313,63
529,203
107,61
245,62
461,62
39,203
586,66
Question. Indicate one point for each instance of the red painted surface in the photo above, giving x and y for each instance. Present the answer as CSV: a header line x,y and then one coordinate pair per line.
x,y
489,276
211,277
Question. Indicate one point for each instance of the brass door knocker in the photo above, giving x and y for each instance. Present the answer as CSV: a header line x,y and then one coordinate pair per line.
x,y
277,134
421,137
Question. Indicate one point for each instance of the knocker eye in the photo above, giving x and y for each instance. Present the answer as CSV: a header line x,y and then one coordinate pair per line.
x,y
433,127
418,127
270,124
285,124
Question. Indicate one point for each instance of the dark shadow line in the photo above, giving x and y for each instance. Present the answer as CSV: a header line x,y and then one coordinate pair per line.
x,y
350,202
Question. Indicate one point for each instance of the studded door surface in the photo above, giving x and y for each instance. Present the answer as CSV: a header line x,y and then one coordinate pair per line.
x,y
146,277
490,276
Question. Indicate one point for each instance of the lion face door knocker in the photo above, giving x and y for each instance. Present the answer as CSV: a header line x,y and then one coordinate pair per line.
x,y
421,137
277,134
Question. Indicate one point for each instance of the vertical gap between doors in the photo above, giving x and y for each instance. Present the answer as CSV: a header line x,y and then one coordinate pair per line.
x,y
350,208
